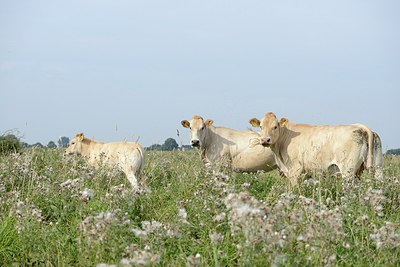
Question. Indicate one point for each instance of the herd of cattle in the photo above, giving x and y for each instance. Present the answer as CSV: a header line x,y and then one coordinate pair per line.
x,y
295,149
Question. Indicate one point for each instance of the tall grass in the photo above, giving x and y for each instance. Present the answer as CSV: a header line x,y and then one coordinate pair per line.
x,y
57,211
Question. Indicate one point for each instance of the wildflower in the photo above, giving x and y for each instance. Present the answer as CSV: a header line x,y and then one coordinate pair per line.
x,y
139,233
2,187
361,220
279,260
330,202
216,238
346,245
37,214
300,238
194,260
387,236
86,194
220,176
311,183
329,261
152,226
70,184
20,208
95,227
182,216
219,217
139,257
245,186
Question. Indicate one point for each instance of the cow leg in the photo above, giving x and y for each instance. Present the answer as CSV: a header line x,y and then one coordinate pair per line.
x,y
294,174
293,180
132,179
378,172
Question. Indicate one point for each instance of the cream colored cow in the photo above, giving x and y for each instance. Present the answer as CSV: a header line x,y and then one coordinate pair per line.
x,y
127,156
308,149
218,143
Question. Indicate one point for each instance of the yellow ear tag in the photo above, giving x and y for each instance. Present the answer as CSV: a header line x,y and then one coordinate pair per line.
x,y
254,122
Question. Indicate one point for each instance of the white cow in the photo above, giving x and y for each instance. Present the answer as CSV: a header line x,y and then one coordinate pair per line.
x,y
218,143
127,156
306,149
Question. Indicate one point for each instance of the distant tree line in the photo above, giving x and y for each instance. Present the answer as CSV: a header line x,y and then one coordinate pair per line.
x,y
63,141
393,152
10,143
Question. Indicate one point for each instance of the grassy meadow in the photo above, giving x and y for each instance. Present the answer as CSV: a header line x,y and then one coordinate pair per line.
x,y
58,211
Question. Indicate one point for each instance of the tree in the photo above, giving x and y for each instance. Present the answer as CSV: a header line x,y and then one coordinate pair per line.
x,y
63,141
51,144
9,143
38,145
170,144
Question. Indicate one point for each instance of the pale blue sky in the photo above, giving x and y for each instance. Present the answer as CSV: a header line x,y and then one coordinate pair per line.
x,y
117,70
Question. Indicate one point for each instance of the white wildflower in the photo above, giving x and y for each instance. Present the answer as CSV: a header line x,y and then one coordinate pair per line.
x,y
86,194
194,260
216,238
182,216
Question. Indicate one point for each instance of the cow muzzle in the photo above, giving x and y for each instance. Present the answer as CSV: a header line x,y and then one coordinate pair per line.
x,y
195,143
266,141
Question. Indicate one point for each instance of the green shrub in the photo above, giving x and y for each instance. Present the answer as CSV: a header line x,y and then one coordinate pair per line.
x,y
9,143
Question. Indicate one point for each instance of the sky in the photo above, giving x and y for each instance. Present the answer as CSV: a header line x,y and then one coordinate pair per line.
x,y
132,70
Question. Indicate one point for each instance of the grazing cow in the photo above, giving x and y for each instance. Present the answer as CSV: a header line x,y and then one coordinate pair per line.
x,y
127,156
218,143
307,149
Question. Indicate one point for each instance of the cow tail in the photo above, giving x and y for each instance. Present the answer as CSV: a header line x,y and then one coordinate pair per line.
x,y
378,155
141,159
370,157
370,146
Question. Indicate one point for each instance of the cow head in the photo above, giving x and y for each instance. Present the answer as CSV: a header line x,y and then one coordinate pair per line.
x,y
270,128
75,145
197,128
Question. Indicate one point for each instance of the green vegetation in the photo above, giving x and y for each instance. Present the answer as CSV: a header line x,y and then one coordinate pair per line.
x,y
58,211
9,143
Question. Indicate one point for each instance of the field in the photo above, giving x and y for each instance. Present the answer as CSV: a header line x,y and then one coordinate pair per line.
x,y
57,211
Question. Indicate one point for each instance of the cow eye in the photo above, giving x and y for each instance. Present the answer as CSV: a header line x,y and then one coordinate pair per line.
x,y
190,128
276,127
202,128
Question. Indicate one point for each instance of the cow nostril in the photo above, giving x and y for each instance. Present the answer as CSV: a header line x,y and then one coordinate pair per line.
x,y
195,142
265,141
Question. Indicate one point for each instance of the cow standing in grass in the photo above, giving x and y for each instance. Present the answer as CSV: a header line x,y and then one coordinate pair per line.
x,y
127,156
302,149
220,143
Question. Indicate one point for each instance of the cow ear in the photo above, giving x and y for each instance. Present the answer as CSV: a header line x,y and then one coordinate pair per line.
x,y
254,122
80,136
283,122
209,122
185,123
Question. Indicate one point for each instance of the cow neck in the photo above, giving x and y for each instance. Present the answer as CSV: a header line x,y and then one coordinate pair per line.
x,y
277,148
205,145
86,145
